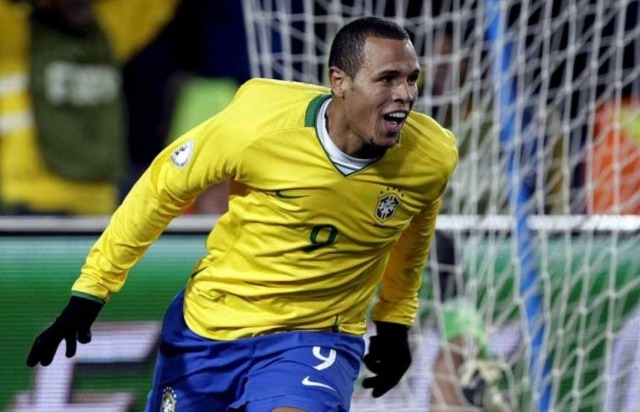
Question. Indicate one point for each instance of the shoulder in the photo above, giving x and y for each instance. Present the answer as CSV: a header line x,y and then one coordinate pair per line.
x,y
430,139
270,105
262,108
428,126
279,91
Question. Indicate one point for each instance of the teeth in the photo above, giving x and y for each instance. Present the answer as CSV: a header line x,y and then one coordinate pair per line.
x,y
397,115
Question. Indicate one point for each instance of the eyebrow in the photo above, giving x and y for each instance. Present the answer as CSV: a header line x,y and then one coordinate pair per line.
x,y
389,73
396,73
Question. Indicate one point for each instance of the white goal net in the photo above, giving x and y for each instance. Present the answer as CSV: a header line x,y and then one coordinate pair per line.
x,y
544,99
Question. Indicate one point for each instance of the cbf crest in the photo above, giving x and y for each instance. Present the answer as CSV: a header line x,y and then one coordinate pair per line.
x,y
169,400
387,205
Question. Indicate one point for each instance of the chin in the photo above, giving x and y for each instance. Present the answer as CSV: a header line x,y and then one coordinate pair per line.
x,y
389,141
382,142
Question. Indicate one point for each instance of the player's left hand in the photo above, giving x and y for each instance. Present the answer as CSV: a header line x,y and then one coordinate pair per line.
x,y
389,357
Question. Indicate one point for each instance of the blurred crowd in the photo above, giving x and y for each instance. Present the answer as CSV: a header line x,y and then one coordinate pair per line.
x,y
92,90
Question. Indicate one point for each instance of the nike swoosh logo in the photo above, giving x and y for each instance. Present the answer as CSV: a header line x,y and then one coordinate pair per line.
x,y
284,196
308,382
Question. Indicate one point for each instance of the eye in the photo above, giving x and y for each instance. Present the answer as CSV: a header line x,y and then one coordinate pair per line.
x,y
386,79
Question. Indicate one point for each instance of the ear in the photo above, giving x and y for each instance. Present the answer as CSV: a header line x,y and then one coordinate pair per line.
x,y
338,80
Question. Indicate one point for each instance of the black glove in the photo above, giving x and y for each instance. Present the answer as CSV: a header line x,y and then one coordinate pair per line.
x,y
389,357
73,324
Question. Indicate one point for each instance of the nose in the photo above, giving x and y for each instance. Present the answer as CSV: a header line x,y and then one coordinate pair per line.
x,y
404,92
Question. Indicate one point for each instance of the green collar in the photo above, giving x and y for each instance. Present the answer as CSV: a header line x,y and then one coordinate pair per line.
x,y
311,115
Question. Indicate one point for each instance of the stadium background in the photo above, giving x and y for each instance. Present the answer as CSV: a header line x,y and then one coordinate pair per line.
x,y
37,270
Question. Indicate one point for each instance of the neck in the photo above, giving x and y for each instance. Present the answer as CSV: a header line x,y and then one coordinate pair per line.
x,y
345,138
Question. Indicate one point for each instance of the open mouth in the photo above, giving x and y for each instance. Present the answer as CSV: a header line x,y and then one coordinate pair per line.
x,y
393,121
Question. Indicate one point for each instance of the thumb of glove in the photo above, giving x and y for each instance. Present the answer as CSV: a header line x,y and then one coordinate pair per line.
x,y
372,362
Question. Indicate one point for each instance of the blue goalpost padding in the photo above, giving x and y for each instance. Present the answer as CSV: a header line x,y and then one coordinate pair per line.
x,y
512,120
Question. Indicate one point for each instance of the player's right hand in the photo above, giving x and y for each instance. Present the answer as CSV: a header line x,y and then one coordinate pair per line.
x,y
73,325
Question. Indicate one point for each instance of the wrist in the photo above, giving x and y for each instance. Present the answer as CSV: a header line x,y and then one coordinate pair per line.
x,y
391,328
87,296
80,309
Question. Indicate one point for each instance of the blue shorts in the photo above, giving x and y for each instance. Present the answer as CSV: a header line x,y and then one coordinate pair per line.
x,y
313,371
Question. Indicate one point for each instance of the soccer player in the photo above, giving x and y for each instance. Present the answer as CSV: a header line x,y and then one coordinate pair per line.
x,y
343,190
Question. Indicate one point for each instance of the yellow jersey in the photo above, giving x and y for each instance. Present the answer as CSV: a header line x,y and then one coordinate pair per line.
x,y
306,246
